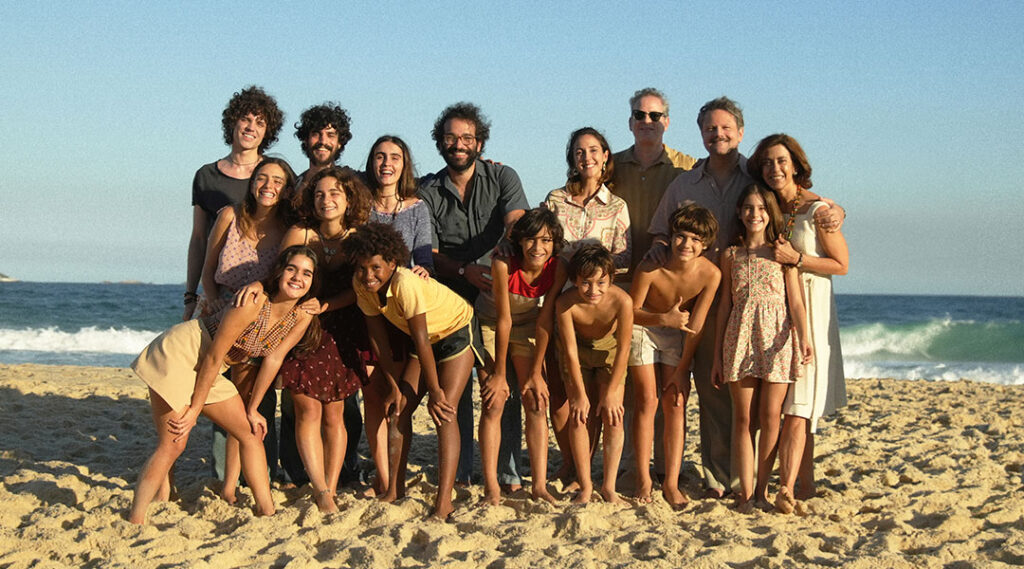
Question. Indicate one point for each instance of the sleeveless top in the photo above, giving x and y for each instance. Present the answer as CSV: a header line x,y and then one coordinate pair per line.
x,y
524,299
241,262
259,338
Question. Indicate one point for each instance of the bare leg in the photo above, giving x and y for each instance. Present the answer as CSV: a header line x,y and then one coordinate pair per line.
x,y
612,447
769,414
674,441
335,441
645,404
744,397
230,415
308,413
243,376
453,375
791,449
806,487
400,430
559,409
536,436
154,473
377,429
490,440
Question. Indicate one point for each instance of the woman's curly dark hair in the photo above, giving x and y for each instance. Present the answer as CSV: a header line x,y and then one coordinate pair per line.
x,y
320,117
357,208
253,100
376,239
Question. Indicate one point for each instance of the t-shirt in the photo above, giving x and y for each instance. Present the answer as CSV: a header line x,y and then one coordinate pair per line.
x,y
408,295
213,189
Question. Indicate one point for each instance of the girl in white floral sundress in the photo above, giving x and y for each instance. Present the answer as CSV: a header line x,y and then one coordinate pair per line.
x,y
757,355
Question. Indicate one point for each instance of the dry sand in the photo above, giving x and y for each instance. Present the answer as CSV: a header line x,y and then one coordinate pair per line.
x,y
914,474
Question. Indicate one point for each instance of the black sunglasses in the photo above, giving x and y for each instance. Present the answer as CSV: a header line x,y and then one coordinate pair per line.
x,y
639,115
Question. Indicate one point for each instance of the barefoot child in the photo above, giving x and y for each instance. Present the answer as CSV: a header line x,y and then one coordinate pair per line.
x,y
671,303
594,319
445,349
757,354
178,392
517,317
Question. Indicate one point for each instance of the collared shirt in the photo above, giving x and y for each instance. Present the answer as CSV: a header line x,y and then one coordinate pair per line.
x,y
642,189
468,230
604,219
409,295
698,186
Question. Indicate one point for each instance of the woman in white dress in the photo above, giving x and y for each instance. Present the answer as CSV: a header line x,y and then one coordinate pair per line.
x,y
781,164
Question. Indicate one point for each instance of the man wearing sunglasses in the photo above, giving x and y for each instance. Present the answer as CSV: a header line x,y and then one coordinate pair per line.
x,y
644,170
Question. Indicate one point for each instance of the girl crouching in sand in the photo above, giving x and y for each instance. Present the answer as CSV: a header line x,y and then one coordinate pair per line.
x,y
439,322
178,393
757,354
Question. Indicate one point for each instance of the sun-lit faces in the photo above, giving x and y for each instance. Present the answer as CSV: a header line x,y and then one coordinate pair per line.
x,y
388,163
645,130
460,146
593,288
687,245
720,133
537,249
329,199
374,272
754,214
297,276
270,182
323,147
249,132
778,168
589,157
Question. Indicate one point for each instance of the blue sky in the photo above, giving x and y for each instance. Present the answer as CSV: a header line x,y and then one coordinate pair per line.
x,y
909,112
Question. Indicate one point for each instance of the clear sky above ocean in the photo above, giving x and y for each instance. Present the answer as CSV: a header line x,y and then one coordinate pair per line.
x,y
909,111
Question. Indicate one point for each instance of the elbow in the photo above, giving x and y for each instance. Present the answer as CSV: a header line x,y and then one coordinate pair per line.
x,y
843,269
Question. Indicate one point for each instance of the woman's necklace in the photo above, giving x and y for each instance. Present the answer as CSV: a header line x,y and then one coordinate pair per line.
x,y
329,251
794,208
382,208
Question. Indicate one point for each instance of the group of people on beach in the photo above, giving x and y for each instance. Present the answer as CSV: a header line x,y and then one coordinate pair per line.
x,y
589,313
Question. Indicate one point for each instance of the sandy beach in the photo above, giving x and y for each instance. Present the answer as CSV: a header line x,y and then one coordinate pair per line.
x,y
914,474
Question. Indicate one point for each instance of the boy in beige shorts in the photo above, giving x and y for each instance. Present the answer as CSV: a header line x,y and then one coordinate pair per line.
x,y
594,318
671,303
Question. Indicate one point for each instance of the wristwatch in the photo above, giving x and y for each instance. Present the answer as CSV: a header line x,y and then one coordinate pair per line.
x,y
462,269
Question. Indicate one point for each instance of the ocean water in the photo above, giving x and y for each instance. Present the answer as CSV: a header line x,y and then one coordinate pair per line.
x,y
901,336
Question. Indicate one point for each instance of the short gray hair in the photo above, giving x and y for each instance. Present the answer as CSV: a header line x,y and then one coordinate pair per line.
x,y
645,92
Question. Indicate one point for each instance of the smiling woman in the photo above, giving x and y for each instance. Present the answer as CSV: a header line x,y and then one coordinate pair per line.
x,y
178,392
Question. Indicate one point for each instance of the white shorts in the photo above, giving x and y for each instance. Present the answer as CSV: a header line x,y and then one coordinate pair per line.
x,y
656,344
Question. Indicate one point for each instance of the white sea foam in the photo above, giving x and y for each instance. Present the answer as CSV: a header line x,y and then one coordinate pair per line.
x,y
89,339
1006,374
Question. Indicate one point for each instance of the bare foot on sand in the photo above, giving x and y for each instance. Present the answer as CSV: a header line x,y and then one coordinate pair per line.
x,y
228,494
492,497
510,488
541,493
442,513
583,497
805,492
643,492
714,494
676,499
784,502
325,501
611,496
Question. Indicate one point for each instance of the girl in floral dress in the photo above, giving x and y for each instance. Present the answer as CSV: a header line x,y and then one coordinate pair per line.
x,y
757,355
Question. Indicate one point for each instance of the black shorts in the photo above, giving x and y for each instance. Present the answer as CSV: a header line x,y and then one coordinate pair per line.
x,y
456,343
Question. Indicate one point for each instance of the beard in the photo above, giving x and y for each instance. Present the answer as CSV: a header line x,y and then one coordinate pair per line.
x,y
331,159
458,163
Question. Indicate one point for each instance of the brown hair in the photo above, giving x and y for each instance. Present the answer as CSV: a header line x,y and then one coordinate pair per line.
x,y
357,210
253,100
271,285
282,211
802,168
589,260
406,182
697,220
774,227
574,184
531,223
722,103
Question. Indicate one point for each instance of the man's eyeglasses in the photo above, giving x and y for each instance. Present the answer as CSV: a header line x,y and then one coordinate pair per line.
x,y
639,115
467,139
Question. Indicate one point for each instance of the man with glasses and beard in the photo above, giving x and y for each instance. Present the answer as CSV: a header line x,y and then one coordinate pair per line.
x,y
323,130
473,203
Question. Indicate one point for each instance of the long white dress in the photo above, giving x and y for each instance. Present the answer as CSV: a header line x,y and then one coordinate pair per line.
x,y
822,389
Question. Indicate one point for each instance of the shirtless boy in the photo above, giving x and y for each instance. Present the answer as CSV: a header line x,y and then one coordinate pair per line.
x,y
594,318
671,304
